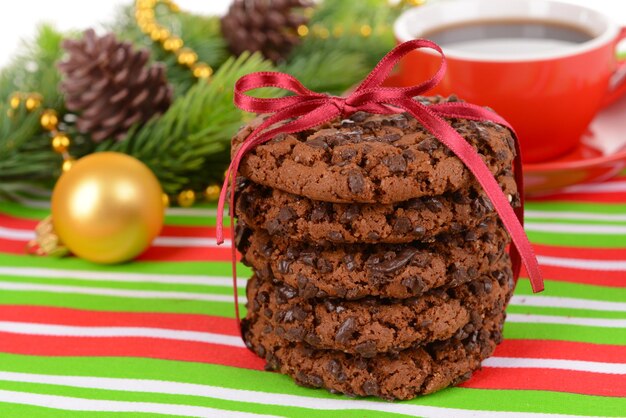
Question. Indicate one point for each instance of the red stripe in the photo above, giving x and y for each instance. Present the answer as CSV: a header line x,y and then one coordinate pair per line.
x,y
130,347
562,350
586,383
602,197
77,317
584,253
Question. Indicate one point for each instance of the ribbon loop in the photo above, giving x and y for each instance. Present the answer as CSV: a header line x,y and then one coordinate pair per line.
x,y
307,109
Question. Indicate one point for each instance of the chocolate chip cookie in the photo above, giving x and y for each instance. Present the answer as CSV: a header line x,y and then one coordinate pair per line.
x,y
403,375
372,325
301,219
387,270
372,158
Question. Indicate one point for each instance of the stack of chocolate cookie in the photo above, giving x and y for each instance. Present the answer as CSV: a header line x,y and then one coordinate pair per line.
x,y
380,266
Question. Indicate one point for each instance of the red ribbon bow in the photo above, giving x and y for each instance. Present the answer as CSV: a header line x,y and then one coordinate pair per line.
x,y
307,109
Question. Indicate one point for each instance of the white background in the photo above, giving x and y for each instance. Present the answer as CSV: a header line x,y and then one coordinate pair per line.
x,y
19,18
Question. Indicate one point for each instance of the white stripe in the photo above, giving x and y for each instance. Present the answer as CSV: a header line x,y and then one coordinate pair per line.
x,y
16,234
28,328
31,203
615,186
123,293
86,275
189,242
67,403
27,235
566,320
579,263
561,302
582,216
575,228
540,363
264,398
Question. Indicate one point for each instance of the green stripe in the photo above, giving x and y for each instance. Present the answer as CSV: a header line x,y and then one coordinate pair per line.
x,y
229,377
99,284
577,240
597,208
116,304
19,211
27,411
574,290
577,333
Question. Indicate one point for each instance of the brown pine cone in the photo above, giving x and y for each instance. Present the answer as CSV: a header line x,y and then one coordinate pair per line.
x,y
110,87
269,26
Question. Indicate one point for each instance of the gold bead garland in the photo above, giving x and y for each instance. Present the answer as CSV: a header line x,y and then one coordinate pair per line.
x,y
49,121
185,56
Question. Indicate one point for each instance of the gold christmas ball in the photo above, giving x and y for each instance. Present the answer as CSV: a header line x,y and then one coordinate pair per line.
x,y
49,120
159,34
202,70
187,57
212,193
60,142
186,198
166,200
108,208
15,100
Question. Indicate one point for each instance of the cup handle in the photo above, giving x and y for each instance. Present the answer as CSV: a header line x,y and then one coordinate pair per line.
x,y
617,84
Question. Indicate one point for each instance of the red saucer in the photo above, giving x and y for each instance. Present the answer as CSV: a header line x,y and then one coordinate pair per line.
x,y
600,155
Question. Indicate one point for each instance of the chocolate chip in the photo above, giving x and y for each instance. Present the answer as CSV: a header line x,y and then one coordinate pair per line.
x,y
461,198
285,214
268,313
320,212
284,293
415,204
471,236
313,339
433,204
419,231
428,145
356,182
295,333
366,349
421,259
335,236
414,284
323,265
402,225
395,163
309,291
346,331
347,154
334,367
283,266
392,265
359,116
373,236
389,138
261,351
308,258
317,143
350,213
408,155
458,274
262,297
349,262
273,226
370,388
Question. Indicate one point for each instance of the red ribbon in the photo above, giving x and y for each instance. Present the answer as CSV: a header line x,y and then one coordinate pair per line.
x,y
307,109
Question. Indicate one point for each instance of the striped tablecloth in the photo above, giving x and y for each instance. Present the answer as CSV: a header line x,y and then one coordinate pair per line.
x,y
157,337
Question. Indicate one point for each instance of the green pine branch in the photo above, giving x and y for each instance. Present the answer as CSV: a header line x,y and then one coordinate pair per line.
x,y
188,147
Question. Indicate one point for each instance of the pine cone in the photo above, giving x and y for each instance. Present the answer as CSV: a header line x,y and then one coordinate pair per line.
x,y
108,84
269,26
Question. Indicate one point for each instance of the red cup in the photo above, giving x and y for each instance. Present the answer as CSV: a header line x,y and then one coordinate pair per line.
x,y
549,95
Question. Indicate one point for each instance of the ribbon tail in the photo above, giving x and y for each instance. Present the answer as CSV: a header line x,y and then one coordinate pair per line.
x,y
468,155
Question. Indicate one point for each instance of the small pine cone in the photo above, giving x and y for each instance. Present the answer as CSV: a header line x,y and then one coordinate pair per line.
x,y
110,87
269,26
